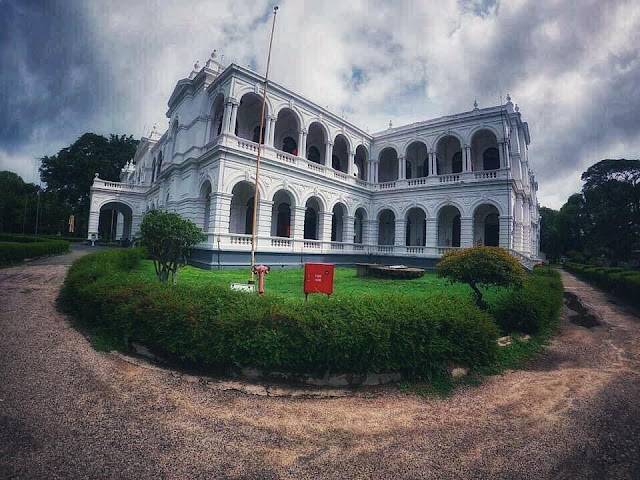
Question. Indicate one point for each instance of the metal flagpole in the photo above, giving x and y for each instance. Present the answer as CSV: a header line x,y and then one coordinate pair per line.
x,y
255,193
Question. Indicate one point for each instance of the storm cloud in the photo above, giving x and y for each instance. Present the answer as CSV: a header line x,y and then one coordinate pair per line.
x,y
573,68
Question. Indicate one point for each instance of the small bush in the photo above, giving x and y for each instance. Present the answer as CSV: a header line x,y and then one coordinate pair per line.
x,y
11,252
481,266
617,280
533,308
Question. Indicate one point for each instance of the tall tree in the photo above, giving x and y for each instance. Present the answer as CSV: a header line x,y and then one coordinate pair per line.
x,y
70,173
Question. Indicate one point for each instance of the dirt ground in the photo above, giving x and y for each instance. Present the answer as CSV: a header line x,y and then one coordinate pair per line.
x,y
67,411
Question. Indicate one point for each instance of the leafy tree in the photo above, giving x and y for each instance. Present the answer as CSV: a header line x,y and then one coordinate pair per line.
x,y
169,238
481,266
70,173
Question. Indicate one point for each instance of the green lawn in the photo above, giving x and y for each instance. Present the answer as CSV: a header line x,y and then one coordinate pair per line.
x,y
287,282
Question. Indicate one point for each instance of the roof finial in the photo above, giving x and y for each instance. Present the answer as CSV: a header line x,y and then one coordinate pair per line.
x,y
508,98
475,105
390,124
517,109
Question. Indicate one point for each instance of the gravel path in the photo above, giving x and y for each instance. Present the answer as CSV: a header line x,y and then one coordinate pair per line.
x,y
67,411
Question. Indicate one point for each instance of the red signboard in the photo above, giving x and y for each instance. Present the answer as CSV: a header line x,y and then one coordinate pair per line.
x,y
318,278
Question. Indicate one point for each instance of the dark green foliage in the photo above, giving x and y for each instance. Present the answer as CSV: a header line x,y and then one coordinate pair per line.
x,y
70,173
600,224
168,239
216,326
619,281
481,266
16,251
533,308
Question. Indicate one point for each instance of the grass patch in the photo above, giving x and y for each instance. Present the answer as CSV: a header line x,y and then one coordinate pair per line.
x,y
287,282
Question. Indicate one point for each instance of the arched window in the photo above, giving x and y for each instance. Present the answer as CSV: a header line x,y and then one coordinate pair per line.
x,y
314,154
335,162
153,171
289,145
456,163
256,134
491,159
409,172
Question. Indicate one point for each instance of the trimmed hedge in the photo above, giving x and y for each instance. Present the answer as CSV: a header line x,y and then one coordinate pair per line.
x,y
22,238
213,325
619,281
535,307
11,252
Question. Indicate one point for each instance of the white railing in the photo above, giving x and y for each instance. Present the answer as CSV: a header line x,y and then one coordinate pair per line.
x,y
285,157
316,167
129,187
242,242
386,185
448,178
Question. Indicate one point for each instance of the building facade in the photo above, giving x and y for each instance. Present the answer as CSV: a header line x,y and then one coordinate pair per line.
x,y
327,189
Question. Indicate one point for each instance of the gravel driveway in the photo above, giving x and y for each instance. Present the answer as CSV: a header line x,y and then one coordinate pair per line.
x,y
67,411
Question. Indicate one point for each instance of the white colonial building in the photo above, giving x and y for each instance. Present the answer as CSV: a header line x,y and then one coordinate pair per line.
x,y
327,189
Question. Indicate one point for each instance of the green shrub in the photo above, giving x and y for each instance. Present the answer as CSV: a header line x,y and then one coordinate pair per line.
x,y
481,266
617,280
216,326
533,308
11,252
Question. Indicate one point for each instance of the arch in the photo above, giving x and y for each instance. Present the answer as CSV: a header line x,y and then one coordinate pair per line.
x,y
282,213
244,177
359,219
248,117
312,211
449,154
417,155
217,115
340,153
115,219
315,194
205,200
416,227
293,110
241,208
153,170
449,226
484,141
486,225
491,128
386,227
317,142
338,222
287,126
388,165
487,201
360,160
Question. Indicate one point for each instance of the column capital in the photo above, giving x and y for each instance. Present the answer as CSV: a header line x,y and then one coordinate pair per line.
x,y
329,143
303,131
271,118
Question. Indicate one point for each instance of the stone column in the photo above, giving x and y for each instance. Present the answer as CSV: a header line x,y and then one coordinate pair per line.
x,y
348,231
432,233
234,117
269,131
526,226
372,235
400,232
351,164
220,212
228,107
297,230
119,225
517,233
375,172
265,208
325,226
466,231
506,232
302,143
402,168
328,152
433,167
467,157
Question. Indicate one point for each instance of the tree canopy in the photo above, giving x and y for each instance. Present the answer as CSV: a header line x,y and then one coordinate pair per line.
x,y
168,238
603,221
481,266
71,171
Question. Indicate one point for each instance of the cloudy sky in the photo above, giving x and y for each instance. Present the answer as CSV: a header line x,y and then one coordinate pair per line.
x,y
109,66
